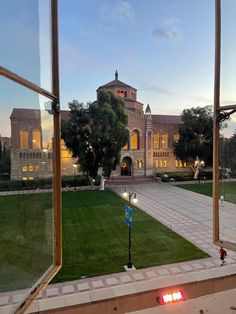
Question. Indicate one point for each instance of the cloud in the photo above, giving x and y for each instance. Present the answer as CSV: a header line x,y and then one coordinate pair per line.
x,y
71,57
200,99
169,30
157,89
122,12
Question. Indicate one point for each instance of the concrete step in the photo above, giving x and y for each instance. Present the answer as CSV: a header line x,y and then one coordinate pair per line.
x,y
123,180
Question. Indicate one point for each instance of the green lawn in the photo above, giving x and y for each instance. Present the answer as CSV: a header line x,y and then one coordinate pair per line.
x,y
228,189
95,238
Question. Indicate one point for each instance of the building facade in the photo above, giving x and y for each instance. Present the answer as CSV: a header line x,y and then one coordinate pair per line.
x,y
152,137
150,148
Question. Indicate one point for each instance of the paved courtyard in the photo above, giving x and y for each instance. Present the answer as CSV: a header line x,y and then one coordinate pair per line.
x,y
187,213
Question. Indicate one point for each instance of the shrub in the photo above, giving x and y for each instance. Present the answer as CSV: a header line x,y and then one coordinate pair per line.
x,y
185,175
165,178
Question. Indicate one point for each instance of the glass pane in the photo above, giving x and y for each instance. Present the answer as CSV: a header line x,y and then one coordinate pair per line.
x,y
228,52
227,175
25,47
26,208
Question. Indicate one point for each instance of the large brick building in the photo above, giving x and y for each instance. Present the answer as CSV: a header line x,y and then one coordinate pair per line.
x,y
149,150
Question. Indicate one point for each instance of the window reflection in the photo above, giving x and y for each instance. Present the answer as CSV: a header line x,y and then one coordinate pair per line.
x,y
36,141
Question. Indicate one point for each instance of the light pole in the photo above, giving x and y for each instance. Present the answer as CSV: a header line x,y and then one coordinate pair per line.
x,y
128,221
75,167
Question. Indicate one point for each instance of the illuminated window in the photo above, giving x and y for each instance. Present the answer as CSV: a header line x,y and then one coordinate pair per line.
x,y
185,165
36,139
121,93
180,164
176,137
156,164
31,168
176,163
24,139
31,178
164,164
36,168
160,163
164,140
24,168
134,140
24,178
156,140
139,164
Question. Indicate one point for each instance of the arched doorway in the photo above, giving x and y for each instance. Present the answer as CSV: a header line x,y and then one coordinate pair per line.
x,y
126,167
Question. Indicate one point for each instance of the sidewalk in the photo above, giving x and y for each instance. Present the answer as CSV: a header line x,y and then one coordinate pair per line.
x,y
187,213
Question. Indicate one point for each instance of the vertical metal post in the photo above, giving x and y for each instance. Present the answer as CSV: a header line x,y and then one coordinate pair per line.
x,y
129,264
57,137
216,121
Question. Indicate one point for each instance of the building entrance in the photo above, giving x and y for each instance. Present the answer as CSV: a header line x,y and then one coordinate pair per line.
x,y
126,167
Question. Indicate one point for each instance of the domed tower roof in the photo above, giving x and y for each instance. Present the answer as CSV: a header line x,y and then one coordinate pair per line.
x,y
115,83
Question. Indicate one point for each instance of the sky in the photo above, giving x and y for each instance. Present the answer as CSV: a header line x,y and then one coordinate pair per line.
x,y
164,48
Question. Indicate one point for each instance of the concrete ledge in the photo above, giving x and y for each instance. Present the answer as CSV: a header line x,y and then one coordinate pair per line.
x,y
139,295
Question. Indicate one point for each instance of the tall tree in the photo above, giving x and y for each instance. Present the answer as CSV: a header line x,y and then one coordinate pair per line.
x,y
196,137
5,163
96,134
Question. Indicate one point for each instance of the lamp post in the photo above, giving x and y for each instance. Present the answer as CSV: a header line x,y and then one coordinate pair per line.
x,y
128,220
75,167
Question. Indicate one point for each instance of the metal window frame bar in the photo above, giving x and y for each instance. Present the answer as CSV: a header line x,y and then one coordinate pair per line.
x,y
216,122
22,81
55,97
216,131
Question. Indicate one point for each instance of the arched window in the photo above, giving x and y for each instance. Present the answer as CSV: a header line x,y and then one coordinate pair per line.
x,y
156,140
139,164
36,139
126,146
164,140
176,137
24,139
134,143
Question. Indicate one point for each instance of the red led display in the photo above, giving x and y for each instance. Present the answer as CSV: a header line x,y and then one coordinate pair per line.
x,y
171,297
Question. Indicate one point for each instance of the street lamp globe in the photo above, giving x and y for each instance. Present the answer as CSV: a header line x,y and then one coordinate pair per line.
x,y
125,193
135,200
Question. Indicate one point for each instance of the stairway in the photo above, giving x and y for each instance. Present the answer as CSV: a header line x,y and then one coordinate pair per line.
x,y
125,180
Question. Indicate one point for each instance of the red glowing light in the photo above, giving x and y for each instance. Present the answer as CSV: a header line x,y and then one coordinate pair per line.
x,y
172,297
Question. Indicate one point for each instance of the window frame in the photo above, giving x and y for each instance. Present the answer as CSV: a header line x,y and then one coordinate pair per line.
x,y
54,96
218,111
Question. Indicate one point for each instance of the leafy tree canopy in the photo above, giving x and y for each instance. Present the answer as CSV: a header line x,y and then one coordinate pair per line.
x,y
96,134
5,163
196,135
